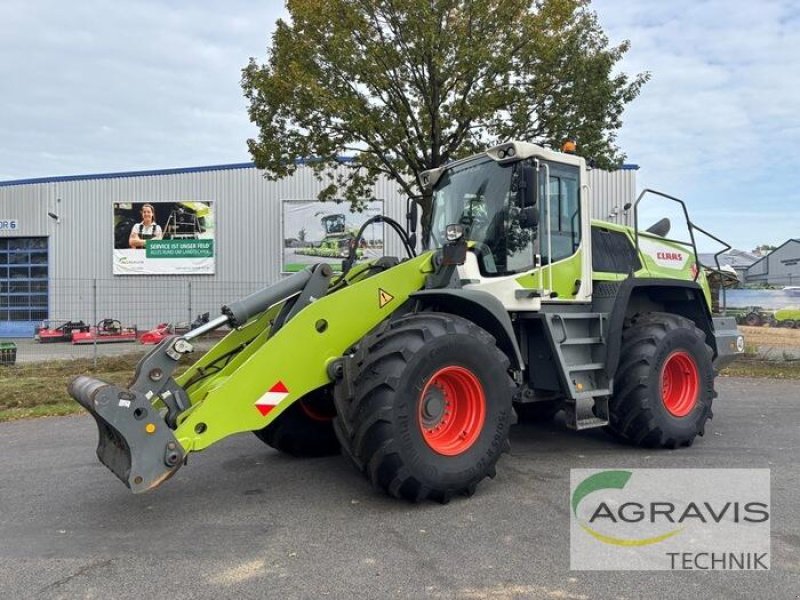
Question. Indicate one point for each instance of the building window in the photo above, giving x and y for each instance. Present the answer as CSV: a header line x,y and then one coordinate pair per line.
x,y
23,279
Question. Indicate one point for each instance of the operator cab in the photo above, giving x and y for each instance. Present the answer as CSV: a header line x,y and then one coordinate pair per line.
x,y
333,224
522,209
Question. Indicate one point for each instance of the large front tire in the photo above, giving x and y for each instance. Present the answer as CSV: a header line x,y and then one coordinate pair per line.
x,y
665,382
424,409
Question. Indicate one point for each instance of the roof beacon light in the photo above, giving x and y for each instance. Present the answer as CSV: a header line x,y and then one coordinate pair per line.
x,y
569,146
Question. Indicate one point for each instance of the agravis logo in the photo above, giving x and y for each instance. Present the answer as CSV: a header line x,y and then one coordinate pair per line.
x,y
670,519
604,481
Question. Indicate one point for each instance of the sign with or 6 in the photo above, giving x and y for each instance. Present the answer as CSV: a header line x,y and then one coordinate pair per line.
x,y
8,224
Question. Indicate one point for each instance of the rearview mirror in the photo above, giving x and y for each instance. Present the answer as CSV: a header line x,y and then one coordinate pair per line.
x,y
411,215
529,217
527,191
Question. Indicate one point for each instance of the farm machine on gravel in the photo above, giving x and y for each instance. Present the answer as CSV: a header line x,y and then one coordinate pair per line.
x,y
416,368
337,240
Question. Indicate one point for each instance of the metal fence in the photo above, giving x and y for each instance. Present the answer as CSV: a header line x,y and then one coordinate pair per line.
x,y
129,305
773,280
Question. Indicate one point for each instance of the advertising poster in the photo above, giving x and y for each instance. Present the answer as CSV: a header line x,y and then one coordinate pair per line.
x,y
316,232
164,238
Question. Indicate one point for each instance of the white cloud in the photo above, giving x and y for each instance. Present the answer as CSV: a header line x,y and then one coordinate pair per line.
x,y
99,86
719,122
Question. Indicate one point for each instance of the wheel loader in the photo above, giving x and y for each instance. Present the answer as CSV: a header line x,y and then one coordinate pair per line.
x,y
416,367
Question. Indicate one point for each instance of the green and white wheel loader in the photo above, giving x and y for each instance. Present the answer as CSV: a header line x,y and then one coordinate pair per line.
x,y
415,368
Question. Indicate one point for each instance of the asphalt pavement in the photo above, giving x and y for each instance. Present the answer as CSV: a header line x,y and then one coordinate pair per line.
x,y
242,521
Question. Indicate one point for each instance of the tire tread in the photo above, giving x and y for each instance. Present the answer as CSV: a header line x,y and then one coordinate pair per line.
x,y
363,424
632,417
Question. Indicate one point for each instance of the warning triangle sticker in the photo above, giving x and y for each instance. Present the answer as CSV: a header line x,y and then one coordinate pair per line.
x,y
384,297
272,398
279,387
264,408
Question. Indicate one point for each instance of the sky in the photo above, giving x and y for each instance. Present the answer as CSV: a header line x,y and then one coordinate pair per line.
x,y
94,87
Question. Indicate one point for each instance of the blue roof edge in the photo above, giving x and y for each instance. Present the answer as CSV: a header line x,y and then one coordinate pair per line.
x,y
123,174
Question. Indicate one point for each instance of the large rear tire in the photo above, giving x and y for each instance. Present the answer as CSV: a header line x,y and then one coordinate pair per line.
x,y
753,319
664,383
424,408
305,429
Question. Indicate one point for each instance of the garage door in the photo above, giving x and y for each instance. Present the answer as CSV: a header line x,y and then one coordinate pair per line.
x,y
23,285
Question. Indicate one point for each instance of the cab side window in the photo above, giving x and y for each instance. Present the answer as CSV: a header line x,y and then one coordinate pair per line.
x,y
562,213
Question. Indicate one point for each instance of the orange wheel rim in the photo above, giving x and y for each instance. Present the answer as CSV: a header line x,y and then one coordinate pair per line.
x,y
452,410
680,384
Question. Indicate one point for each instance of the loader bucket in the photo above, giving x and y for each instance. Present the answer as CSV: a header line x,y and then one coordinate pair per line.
x,y
134,441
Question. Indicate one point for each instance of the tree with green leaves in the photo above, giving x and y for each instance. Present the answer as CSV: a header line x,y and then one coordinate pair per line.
x,y
402,86
764,249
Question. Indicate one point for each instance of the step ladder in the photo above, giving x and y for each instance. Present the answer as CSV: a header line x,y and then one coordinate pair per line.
x,y
580,344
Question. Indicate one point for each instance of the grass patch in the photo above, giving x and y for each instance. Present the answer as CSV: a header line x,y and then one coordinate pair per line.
x,y
40,389
766,369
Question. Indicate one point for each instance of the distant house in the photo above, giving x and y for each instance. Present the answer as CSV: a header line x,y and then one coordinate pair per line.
x,y
780,267
739,260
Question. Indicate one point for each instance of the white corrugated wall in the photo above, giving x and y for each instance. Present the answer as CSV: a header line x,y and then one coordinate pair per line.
x,y
610,191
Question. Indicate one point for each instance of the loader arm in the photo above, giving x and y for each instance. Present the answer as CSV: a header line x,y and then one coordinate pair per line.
x,y
275,355
296,358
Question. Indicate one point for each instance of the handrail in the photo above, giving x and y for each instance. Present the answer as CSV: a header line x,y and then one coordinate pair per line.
x,y
692,228
549,231
685,214
719,270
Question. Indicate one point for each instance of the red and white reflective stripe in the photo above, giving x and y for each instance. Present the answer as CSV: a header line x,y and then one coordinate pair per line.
x,y
272,398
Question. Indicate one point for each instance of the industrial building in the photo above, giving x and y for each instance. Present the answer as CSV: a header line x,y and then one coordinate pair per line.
x,y
67,243
781,267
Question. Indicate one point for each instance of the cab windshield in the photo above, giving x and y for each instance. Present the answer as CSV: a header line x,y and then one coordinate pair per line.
x,y
481,196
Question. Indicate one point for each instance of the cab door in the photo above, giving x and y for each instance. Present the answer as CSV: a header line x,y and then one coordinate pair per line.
x,y
558,248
